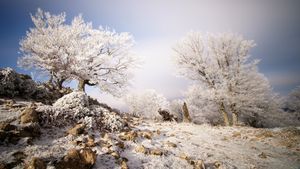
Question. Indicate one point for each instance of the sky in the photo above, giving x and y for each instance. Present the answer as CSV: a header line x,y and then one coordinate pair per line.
x,y
156,25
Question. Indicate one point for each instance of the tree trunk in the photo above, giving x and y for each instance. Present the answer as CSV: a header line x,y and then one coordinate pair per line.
x,y
234,119
225,114
234,115
60,83
186,114
81,85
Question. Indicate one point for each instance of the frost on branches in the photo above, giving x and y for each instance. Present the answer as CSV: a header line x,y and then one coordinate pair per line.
x,y
99,57
225,79
146,103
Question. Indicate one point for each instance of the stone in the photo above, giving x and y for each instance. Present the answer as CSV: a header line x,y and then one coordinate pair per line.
x,y
128,136
156,152
262,155
77,130
115,154
5,126
90,142
29,115
146,134
184,156
124,165
36,163
166,115
3,165
32,130
120,144
78,159
170,144
218,165
141,149
199,164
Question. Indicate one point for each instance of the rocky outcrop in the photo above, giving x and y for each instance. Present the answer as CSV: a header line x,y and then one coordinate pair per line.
x,y
13,84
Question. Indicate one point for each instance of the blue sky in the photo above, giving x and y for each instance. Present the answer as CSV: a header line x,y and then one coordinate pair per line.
x,y
156,26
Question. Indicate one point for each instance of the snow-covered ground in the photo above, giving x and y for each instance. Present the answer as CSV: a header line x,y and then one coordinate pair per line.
x,y
167,145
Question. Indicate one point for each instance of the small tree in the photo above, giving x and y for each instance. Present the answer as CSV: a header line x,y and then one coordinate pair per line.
x,y
146,103
220,64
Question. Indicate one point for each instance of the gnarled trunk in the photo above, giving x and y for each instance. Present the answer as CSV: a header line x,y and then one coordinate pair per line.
x,y
81,85
225,114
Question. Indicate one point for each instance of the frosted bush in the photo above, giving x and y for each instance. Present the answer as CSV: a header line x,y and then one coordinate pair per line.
x,y
74,100
146,103
75,108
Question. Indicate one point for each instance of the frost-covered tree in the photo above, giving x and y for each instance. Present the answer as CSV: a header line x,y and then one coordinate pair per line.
x,y
293,100
146,103
220,64
45,47
104,58
99,57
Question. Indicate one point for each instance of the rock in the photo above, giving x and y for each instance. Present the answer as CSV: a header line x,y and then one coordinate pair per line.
x,y
3,165
5,126
170,144
88,157
262,155
124,165
146,134
120,144
90,142
77,130
218,165
32,130
199,164
157,152
36,163
128,136
166,115
115,154
29,115
9,103
141,149
78,159
183,156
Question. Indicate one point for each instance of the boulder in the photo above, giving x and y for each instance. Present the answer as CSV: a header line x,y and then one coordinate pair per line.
x,y
77,130
199,164
157,152
166,115
78,159
36,163
124,165
141,149
128,136
29,115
